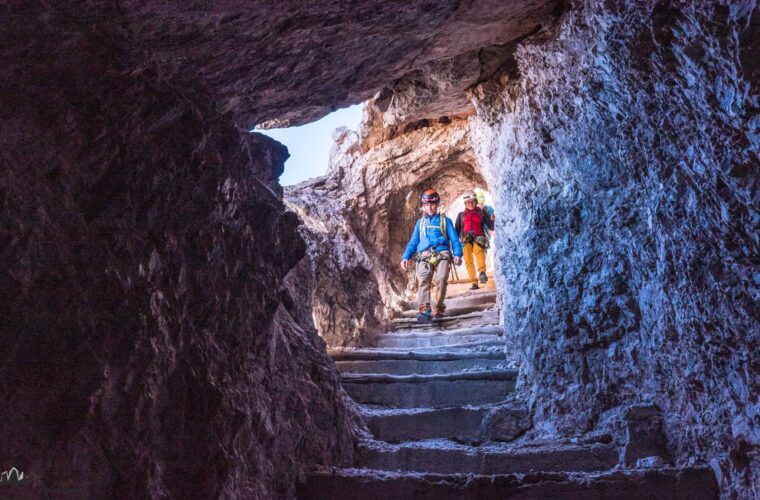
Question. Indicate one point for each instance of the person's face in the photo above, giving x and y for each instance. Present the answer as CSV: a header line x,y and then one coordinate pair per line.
x,y
430,208
470,204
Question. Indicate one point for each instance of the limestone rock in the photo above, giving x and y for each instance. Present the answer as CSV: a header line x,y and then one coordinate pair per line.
x,y
444,87
344,295
624,162
154,292
506,422
644,436
652,462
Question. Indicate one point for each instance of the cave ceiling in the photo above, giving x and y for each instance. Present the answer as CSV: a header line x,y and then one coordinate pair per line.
x,y
291,62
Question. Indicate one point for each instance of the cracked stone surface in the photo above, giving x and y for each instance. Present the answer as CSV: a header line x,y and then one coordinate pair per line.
x,y
626,158
155,294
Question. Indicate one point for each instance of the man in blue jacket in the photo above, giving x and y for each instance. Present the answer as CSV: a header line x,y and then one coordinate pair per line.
x,y
434,240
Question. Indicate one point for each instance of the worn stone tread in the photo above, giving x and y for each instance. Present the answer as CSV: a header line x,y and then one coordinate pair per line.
x,y
476,314
473,330
695,483
458,423
373,378
351,354
454,311
438,393
445,456
421,367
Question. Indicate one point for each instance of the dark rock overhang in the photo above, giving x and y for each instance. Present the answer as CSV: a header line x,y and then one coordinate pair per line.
x,y
288,63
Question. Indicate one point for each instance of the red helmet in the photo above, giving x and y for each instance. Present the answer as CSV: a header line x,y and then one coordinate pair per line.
x,y
430,196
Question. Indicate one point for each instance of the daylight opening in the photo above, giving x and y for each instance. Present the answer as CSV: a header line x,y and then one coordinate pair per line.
x,y
309,145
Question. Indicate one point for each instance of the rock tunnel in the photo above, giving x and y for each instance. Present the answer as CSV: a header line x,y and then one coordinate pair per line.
x,y
166,307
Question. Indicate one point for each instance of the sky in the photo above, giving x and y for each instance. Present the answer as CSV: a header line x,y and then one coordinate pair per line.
x,y
309,145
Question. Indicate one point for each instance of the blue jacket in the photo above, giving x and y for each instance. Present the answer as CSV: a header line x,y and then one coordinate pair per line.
x,y
433,238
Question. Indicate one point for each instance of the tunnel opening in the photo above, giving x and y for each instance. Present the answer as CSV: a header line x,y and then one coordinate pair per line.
x,y
360,216
145,246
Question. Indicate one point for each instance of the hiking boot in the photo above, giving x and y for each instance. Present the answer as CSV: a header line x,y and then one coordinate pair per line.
x,y
438,313
424,317
474,287
483,278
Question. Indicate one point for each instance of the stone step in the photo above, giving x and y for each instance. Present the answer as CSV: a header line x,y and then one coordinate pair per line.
x,y
476,300
447,457
430,391
371,354
454,311
438,338
469,320
463,283
461,424
430,366
695,483
464,424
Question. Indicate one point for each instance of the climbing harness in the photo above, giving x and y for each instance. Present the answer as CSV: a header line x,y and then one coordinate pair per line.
x,y
431,257
482,241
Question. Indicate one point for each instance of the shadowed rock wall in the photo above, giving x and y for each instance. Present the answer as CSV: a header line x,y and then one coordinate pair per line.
x,y
154,305
626,160
149,345
294,61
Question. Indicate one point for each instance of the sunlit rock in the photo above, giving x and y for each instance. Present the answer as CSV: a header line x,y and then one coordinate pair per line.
x,y
358,219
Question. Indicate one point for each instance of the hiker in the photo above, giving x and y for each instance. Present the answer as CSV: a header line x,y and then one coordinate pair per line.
x,y
487,209
434,240
473,225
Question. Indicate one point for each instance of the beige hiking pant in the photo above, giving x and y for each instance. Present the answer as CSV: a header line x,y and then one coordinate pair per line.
x,y
439,275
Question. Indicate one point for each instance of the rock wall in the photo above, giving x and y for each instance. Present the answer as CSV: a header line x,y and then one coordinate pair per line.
x,y
358,218
625,158
149,341
154,301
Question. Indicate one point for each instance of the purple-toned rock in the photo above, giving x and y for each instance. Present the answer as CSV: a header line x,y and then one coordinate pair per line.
x,y
643,434
506,422
624,161
650,462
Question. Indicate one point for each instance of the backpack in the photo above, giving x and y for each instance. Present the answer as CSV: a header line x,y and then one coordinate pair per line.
x,y
442,222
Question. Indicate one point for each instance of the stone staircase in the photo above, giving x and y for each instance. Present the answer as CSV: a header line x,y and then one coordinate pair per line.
x,y
437,400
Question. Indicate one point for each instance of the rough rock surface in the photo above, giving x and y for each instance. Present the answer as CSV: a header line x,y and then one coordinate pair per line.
x,y
359,217
149,345
344,294
506,422
154,293
443,87
625,159
295,61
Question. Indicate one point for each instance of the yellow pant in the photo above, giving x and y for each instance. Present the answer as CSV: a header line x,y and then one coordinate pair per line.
x,y
479,253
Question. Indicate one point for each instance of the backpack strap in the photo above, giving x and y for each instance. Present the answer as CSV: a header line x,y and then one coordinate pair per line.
x,y
441,222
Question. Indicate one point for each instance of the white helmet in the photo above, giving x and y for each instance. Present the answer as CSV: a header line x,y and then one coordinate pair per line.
x,y
470,196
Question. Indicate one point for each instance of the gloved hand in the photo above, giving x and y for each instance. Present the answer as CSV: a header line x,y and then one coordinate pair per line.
x,y
404,263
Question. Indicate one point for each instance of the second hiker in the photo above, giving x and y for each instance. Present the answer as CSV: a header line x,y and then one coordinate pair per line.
x,y
434,240
473,224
